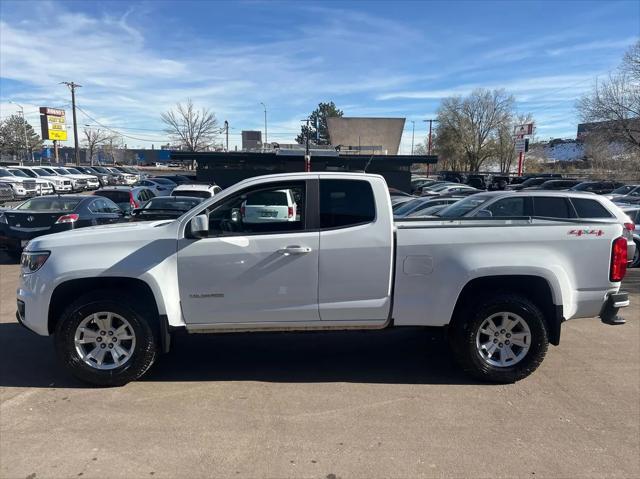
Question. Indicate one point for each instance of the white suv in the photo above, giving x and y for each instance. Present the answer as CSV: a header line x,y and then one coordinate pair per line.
x,y
269,207
199,191
59,184
22,187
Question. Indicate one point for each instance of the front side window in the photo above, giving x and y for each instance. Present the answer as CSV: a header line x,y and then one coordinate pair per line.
x,y
277,208
345,203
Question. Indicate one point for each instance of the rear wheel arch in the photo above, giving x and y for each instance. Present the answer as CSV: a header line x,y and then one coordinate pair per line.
x,y
535,288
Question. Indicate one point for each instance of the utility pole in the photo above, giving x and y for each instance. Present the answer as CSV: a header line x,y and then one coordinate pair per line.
x,y
429,143
72,86
226,132
266,138
413,134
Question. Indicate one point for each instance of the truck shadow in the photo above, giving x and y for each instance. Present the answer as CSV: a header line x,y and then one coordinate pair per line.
x,y
400,356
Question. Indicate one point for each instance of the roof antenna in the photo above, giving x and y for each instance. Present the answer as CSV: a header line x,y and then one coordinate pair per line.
x,y
368,163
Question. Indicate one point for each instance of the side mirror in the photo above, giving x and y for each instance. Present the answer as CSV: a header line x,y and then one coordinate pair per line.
x,y
484,214
235,215
200,226
135,211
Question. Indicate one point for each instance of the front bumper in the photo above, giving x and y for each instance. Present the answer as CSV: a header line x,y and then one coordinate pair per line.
x,y
613,304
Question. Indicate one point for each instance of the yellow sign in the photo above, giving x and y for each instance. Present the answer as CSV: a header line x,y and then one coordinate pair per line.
x,y
60,135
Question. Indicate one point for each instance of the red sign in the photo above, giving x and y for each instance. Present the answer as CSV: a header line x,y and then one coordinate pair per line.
x,y
523,130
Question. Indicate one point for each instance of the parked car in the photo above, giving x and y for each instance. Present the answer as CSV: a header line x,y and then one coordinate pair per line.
x,y
126,197
6,192
107,177
552,185
269,207
164,208
51,214
634,215
103,178
597,187
59,183
421,203
527,183
202,191
131,177
177,179
43,187
567,205
22,188
624,193
429,207
502,288
160,186
450,189
79,182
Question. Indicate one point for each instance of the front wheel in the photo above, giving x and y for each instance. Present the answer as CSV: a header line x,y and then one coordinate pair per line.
x,y
104,339
503,339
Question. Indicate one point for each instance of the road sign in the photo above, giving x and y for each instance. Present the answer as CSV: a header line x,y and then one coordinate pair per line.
x,y
522,145
523,130
52,123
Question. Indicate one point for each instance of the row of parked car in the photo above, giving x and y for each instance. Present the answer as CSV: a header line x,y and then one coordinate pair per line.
x,y
544,197
114,197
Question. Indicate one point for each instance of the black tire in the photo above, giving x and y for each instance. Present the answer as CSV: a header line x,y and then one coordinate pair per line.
x,y
635,263
141,320
465,329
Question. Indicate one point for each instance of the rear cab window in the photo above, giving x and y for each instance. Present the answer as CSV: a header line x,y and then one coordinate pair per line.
x,y
345,203
552,207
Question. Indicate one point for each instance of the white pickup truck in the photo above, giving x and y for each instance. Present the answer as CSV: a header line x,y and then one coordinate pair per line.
x,y
112,295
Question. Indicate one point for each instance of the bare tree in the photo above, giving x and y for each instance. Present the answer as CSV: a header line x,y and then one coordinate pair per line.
x,y
473,123
193,129
614,103
94,138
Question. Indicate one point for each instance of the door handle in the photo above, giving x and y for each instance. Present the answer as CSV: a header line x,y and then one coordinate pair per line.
x,y
289,250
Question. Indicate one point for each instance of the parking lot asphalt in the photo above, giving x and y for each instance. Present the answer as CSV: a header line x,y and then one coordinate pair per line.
x,y
324,405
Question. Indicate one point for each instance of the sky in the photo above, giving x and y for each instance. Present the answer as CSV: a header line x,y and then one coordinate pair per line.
x,y
136,60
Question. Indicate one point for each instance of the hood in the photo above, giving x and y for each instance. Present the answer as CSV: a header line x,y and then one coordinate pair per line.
x,y
106,236
15,179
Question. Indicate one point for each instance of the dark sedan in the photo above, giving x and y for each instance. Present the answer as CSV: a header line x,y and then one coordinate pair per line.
x,y
165,208
53,214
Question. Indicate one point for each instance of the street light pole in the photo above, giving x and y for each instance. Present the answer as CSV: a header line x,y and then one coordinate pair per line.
x,y
266,137
413,134
24,127
226,133
307,152
72,86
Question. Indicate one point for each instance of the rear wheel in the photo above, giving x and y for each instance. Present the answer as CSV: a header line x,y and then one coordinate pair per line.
x,y
106,340
502,339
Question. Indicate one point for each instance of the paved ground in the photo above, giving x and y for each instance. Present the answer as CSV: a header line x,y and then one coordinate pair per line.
x,y
324,405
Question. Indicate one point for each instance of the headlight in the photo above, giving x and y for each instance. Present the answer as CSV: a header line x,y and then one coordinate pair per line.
x,y
3,219
32,261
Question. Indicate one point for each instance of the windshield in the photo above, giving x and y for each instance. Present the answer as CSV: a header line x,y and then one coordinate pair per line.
x,y
100,169
50,204
41,172
583,186
19,173
61,171
407,206
463,207
73,171
533,182
162,181
5,172
199,194
623,190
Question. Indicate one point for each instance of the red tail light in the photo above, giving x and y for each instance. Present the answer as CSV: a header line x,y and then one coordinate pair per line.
x,y
290,211
134,203
618,260
629,226
72,218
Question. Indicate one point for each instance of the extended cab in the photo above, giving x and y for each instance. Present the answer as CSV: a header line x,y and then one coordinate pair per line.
x,y
112,296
